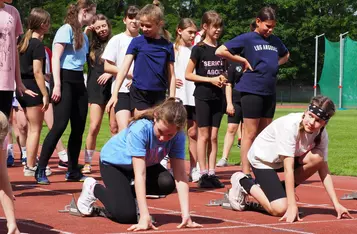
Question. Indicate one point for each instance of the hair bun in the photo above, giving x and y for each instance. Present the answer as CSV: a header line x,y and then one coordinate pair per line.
x,y
156,3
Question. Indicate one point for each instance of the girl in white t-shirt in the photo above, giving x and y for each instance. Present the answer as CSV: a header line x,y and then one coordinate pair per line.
x,y
185,34
114,55
296,144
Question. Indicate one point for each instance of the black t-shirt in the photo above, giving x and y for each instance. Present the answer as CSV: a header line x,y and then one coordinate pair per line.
x,y
95,68
35,51
208,65
235,72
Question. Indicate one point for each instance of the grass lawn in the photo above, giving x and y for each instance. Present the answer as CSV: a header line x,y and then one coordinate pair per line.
x,y
342,130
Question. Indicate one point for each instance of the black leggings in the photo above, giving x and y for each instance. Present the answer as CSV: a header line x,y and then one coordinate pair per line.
x,y
118,196
73,106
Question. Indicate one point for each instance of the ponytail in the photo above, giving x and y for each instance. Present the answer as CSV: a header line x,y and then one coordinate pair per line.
x,y
201,43
24,43
72,19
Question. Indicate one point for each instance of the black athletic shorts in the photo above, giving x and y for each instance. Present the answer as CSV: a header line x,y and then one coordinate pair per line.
x,y
145,99
6,101
191,112
27,100
208,113
256,106
270,183
99,94
123,102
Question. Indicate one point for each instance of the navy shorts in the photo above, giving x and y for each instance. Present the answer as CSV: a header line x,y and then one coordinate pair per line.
x,y
256,106
145,99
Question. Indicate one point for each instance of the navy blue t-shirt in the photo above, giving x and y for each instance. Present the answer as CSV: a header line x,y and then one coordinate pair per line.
x,y
151,58
263,55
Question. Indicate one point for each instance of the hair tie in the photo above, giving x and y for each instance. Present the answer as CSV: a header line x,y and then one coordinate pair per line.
x,y
319,112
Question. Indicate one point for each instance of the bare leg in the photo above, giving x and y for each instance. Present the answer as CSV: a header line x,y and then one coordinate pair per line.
x,y
35,118
202,141
113,125
96,116
229,139
192,142
250,132
212,156
122,118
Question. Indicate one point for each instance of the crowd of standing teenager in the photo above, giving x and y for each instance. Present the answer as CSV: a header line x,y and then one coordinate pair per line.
x,y
152,89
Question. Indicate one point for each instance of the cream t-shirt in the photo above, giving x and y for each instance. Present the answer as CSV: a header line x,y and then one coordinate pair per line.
x,y
282,138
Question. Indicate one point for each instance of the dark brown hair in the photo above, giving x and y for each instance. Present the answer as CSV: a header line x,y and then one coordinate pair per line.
x,y
98,44
327,105
210,18
266,13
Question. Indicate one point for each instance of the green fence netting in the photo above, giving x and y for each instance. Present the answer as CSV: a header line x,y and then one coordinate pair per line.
x,y
329,81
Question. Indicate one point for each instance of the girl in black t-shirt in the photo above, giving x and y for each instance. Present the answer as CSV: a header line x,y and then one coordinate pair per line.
x,y
208,96
32,56
98,84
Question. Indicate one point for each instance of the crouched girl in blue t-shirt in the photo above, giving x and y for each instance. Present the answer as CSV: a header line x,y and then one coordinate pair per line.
x,y
135,154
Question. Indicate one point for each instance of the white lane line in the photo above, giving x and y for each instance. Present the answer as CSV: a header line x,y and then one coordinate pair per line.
x,y
28,223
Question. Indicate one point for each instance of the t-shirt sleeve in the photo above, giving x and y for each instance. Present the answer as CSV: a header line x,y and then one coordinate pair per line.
x,y
19,29
64,35
323,146
236,45
133,47
286,140
195,53
171,53
178,146
39,51
136,142
235,71
110,52
282,50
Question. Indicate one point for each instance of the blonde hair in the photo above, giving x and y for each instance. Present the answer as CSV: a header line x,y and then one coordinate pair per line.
x,y
210,18
183,24
37,17
4,127
155,13
327,105
171,111
72,19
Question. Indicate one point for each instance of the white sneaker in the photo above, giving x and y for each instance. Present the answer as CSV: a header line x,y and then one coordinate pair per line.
x,y
30,171
237,195
222,162
48,171
165,161
195,175
87,198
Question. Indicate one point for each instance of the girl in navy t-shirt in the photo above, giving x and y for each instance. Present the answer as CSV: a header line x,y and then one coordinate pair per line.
x,y
261,53
208,96
154,63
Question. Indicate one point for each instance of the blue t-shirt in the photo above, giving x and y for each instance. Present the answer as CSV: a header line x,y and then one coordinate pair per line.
x,y
263,55
151,58
139,140
71,59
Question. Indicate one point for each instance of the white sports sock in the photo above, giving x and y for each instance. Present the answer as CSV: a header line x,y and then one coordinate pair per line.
x,y
23,151
88,154
10,147
63,156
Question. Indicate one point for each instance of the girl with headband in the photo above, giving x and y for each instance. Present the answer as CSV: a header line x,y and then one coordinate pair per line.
x,y
297,145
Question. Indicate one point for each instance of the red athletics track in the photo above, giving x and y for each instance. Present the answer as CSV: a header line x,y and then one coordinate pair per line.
x,y
37,209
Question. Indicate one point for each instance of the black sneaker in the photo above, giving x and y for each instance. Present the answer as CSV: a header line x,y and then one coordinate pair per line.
x,y
75,176
62,164
204,182
215,181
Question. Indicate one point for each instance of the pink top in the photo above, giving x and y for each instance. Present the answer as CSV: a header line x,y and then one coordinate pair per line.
x,y
10,29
